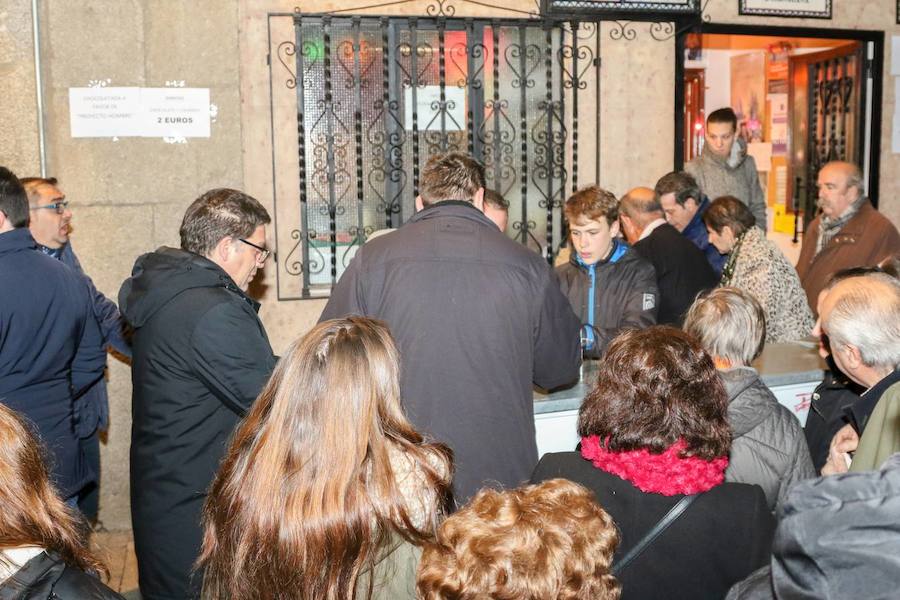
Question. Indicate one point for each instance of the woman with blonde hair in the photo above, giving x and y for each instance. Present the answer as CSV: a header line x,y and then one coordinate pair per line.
x,y
42,552
326,490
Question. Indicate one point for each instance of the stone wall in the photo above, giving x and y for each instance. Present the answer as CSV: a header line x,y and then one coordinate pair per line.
x,y
128,196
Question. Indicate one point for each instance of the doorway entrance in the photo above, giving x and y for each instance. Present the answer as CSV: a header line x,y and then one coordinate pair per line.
x,y
803,97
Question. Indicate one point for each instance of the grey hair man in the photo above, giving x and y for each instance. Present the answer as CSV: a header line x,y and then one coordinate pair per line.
x,y
201,356
682,271
861,318
848,232
478,320
768,448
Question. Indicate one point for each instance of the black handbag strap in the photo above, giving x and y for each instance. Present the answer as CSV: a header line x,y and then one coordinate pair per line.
x,y
654,533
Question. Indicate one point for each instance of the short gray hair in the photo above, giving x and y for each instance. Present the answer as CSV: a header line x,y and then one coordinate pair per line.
x,y
729,323
866,314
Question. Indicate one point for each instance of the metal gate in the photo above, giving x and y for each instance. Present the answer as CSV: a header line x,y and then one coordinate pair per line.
x,y
377,96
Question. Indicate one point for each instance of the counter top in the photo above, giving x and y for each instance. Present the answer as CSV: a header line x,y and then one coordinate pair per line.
x,y
779,365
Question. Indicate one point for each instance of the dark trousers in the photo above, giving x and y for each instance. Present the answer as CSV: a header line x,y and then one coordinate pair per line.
x,y
89,497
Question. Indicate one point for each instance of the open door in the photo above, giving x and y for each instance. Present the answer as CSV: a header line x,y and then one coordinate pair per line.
x,y
829,109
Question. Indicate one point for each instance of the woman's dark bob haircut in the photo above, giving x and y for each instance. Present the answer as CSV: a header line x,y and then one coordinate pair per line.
x,y
728,211
657,386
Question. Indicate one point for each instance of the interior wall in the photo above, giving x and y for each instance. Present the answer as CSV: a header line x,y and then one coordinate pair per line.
x,y
128,196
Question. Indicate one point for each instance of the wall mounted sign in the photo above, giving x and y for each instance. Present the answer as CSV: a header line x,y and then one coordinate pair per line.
x,y
635,9
139,112
814,9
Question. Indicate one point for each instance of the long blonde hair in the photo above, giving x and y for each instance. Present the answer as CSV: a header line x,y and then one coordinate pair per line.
x,y
31,512
307,496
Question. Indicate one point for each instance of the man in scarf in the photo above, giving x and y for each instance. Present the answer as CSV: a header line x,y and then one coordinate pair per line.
x,y
848,232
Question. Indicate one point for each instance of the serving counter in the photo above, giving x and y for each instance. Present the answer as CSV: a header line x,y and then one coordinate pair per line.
x,y
791,370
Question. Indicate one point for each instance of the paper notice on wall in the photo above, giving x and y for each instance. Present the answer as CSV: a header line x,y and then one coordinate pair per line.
x,y
895,55
762,154
431,114
139,112
895,134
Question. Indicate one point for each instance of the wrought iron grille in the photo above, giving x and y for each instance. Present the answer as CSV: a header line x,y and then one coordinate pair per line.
x,y
375,97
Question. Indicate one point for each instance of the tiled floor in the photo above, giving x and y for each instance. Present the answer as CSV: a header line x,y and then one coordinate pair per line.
x,y
116,548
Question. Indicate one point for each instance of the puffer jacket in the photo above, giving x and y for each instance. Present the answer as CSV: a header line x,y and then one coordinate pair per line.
x,y
734,175
769,448
47,577
838,538
611,295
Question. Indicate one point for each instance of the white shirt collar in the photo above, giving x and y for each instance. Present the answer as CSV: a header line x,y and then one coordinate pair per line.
x,y
651,227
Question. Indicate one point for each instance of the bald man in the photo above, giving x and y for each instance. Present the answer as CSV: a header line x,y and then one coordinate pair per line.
x,y
848,232
682,271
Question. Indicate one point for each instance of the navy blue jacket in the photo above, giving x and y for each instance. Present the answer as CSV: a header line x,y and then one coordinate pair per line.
x,y
696,232
93,406
50,349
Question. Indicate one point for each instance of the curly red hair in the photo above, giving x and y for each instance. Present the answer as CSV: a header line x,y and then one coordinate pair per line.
x,y
545,541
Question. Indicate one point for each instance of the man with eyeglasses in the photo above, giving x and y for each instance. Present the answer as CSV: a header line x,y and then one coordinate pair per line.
x,y
50,225
201,356
51,350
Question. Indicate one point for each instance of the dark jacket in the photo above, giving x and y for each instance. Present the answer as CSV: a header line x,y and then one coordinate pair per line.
x,y
50,350
827,413
47,577
768,447
719,540
697,233
838,538
864,241
201,356
93,406
613,294
682,272
478,318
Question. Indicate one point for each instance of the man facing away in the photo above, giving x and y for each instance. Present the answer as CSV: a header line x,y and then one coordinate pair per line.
x,y
478,319
610,286
848,233
50,220
496,208
50,345
684,205
682,272
201,356
725,169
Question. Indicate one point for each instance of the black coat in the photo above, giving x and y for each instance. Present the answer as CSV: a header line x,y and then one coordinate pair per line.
x,y
722,537
477,318
50,350
200,358
47,577
827,413
682,272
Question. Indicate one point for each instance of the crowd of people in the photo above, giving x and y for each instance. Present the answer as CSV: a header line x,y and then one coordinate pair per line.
x,y
390,452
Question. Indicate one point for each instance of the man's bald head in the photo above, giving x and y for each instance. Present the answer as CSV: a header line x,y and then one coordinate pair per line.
x,y
863,313
638,208
840,185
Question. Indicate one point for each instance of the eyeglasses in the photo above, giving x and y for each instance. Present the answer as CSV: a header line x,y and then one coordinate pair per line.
x,y
59,207
263,252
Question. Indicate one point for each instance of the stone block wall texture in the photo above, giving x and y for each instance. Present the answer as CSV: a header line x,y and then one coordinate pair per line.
x,y
128,195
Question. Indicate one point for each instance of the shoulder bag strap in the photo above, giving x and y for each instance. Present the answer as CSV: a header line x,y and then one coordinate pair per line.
x,y
654,533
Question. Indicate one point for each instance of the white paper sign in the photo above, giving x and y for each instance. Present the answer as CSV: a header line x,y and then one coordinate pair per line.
x,y
428,111
104,112
895,55
139,112
174,112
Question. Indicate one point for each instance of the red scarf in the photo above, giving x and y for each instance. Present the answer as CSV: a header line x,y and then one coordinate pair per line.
x,y
668,473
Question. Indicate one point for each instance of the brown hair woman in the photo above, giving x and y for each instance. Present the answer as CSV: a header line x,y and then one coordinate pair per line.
x,y
42,553
326,491
653,431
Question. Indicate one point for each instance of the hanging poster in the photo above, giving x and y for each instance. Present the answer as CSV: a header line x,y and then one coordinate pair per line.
x,y
816,9
748,94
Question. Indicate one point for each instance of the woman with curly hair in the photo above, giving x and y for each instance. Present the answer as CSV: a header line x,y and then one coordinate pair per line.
x,y
42,553
326,491
654,449
549,541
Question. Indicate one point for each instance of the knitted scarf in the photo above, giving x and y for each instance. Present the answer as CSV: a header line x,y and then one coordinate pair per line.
x,y
829,228
668,473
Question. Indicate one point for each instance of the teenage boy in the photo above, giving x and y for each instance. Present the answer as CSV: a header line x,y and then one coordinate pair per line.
x,y
610,286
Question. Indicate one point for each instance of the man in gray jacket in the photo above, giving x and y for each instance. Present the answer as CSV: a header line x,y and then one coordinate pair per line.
x,y
477,317
725,169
